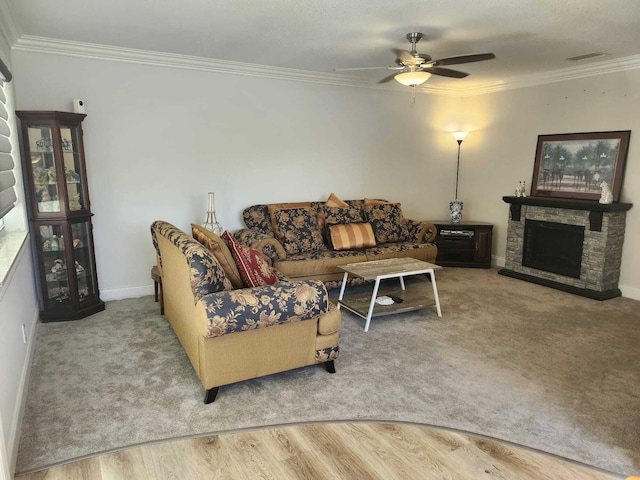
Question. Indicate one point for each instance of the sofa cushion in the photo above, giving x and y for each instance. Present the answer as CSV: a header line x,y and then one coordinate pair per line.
x,y
338,216
341,215
220,250
253,267
283,206
297,229
351,236
426,252
257,217
387,221
334,201
321,262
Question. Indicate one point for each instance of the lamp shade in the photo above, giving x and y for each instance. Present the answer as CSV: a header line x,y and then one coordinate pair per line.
x,y
459,136
411,79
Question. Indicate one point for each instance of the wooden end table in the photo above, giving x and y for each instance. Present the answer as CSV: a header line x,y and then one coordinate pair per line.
x,y
364,305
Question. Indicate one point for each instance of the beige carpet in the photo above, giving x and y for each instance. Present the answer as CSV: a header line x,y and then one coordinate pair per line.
x,y
508,359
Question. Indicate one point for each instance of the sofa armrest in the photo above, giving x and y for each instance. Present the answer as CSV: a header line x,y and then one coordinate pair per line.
x,y
261,307
269,246
422,232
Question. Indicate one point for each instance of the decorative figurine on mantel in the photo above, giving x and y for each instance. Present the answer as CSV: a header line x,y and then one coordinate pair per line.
x,y
520,189
606,197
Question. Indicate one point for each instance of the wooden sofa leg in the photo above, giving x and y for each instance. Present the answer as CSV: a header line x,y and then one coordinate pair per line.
x,y
331,368
210,395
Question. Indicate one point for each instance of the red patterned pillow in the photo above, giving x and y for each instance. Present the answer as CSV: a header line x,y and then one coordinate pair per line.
x,y
253,267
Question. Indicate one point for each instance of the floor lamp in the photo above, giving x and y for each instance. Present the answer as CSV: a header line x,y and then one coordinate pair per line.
x,y
455,206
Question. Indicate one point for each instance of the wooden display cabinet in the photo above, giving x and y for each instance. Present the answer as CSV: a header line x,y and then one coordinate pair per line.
x,y
464,244
59,214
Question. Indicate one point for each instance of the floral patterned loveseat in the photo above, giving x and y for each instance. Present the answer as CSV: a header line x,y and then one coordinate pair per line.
x,y
231,334
298,237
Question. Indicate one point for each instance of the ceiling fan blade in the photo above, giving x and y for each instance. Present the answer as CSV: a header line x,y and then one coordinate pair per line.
x,y
366,68
388,78
445,72
478,57
404,56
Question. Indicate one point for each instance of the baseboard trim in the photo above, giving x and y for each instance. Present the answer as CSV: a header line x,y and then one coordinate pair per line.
x,y
127,292
630,292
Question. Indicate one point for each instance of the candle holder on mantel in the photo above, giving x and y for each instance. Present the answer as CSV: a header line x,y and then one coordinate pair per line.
x,y
211,223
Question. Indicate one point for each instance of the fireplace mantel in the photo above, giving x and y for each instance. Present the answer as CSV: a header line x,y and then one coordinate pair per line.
x,y
569,203
595,209
602,248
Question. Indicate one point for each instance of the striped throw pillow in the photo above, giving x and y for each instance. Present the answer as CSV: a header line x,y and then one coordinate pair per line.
x,y
334,201
352,236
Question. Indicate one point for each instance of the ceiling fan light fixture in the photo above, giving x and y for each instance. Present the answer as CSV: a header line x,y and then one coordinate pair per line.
x,y
412,79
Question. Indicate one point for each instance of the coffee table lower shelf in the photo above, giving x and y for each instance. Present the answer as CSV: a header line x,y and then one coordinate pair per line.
x,y
412,300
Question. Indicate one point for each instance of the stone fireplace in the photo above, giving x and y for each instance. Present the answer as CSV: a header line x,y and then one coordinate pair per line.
x,y
571,245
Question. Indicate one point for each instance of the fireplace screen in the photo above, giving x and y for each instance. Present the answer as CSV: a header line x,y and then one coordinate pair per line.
x,y
553,247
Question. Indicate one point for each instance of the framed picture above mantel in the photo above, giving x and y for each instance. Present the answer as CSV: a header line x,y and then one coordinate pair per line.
x,y
574,165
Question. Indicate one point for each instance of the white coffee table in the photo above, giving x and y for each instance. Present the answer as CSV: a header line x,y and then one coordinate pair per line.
x,y
365,306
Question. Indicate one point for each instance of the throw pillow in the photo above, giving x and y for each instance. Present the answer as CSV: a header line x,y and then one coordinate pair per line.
x,y
334,201
352,236
253,267
220,250
297,229
387,221
372,201
341,215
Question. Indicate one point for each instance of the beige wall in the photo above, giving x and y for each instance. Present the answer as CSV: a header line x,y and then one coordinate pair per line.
x,y
159,138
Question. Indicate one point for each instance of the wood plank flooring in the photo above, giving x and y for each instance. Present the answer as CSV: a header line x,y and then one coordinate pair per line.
x,y
325,451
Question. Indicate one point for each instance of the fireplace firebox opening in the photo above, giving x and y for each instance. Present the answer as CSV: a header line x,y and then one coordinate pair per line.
x,y
553,247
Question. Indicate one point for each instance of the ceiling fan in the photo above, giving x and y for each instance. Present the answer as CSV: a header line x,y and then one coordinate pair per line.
x,y
415,68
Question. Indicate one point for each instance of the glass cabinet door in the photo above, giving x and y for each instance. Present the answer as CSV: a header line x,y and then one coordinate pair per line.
x,y
53,243
67,262
43,167
82,261
72,163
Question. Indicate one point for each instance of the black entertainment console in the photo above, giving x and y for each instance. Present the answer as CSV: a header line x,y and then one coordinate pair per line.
x,y
464,244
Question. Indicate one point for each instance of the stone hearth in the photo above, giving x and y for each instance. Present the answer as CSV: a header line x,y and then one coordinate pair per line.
x,y
604,227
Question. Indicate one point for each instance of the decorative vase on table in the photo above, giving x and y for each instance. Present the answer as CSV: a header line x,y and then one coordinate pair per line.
x,y
455,208
211,223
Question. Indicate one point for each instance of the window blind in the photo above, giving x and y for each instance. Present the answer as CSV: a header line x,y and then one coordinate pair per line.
x,y
7,178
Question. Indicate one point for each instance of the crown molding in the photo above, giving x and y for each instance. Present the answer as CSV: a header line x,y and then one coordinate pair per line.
x,y
562,75
28,43
35,44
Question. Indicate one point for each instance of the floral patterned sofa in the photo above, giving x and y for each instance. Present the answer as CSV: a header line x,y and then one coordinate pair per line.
x,y
234,334
300,238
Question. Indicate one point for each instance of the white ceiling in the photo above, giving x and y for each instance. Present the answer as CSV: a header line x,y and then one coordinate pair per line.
x,y
532,39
